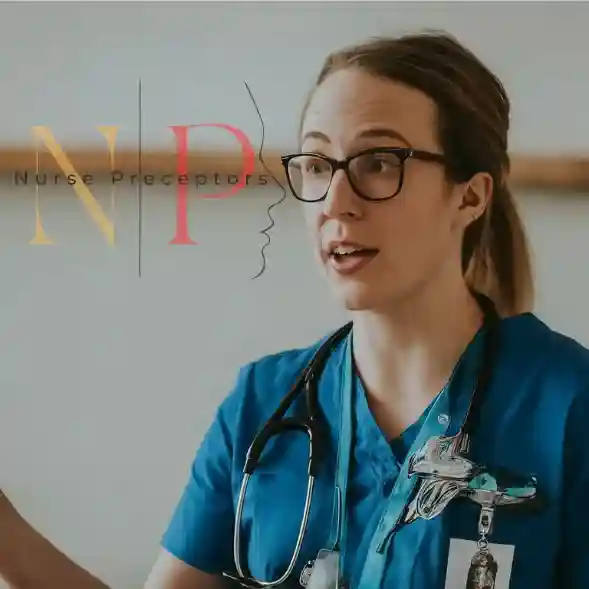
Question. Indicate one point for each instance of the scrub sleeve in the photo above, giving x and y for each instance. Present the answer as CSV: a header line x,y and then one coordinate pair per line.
x,y
201,530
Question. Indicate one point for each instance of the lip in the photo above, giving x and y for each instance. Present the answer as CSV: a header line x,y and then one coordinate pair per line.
x,y
344,265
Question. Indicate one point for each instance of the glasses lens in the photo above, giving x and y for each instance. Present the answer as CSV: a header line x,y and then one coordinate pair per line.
x,y
309,177
376,175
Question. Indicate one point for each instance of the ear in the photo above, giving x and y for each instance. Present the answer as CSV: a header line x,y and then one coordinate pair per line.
x,y
476,196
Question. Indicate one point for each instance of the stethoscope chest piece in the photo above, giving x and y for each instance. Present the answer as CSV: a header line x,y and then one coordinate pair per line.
x,y
323,572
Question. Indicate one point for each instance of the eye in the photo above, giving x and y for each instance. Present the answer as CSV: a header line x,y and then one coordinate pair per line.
x,y
381,162
314,166
378,163
311,166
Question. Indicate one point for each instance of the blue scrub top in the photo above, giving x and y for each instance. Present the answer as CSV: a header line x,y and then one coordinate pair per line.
x,y
535,420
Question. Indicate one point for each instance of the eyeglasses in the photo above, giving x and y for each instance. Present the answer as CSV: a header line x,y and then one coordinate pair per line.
x,y
375,174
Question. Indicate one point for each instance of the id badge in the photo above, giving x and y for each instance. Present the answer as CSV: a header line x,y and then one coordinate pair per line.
x,y
324,572
470,568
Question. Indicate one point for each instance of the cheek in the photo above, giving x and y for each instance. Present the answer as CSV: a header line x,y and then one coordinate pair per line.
x,y
415,228
428,204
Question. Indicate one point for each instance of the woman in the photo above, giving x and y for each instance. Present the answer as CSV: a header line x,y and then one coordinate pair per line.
x,y
410,216
403,187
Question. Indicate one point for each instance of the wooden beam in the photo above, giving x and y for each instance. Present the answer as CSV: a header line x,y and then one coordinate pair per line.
x,y
554,173
557,173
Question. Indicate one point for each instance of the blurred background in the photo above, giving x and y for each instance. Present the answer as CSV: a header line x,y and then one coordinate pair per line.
x,y
108,379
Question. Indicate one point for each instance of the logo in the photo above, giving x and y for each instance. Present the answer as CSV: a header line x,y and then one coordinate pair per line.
x,y
180,175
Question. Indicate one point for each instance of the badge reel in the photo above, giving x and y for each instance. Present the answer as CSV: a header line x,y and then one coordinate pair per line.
x,y
444,474
491,489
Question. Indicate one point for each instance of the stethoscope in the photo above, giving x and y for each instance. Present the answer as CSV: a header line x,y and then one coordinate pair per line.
x,y
313,425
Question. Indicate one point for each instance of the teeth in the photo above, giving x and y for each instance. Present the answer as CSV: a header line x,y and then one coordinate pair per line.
x,y
344,250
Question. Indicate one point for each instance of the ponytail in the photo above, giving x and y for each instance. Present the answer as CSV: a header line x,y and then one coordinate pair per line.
x,y
496,257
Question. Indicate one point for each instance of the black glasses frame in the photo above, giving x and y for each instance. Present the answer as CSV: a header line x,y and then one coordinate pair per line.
x,y
403,153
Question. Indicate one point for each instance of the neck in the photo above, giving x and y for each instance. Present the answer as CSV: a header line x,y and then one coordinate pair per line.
x,y
406,354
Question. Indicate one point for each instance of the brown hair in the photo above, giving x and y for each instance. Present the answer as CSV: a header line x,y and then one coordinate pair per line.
x,y
473,123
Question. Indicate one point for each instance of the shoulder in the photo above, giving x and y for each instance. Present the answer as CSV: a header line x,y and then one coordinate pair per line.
x,y
262,384
543,376
532,349
271,375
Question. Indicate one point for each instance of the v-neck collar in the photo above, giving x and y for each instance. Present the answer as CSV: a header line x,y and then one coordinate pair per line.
x,y
370,440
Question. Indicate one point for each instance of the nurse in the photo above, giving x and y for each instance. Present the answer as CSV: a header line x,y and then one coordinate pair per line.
x,y
402,177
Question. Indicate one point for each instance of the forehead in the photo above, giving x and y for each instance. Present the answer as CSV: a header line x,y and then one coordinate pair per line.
x,y
351,101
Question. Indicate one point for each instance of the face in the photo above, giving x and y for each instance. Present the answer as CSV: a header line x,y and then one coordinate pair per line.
x,y
409,241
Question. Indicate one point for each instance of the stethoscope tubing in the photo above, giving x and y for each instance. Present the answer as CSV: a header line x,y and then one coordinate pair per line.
x,y
301,535
312,425
278,424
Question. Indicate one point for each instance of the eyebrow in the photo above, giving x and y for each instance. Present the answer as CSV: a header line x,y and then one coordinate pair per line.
x,y
376,133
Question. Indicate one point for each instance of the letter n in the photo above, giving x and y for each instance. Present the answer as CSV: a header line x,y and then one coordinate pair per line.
x,y
92,206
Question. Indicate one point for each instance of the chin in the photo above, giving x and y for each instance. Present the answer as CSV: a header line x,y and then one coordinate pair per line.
x,y
356,297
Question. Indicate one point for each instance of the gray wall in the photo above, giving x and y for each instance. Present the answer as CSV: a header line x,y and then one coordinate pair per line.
x,y
108,380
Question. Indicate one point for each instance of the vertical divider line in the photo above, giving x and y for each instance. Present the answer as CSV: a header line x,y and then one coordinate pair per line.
x,y
140,185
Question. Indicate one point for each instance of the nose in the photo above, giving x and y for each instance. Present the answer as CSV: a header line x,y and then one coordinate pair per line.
x,y
341,199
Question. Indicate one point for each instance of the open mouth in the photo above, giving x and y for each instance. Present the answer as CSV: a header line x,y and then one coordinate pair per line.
x,y
348,259
341,252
